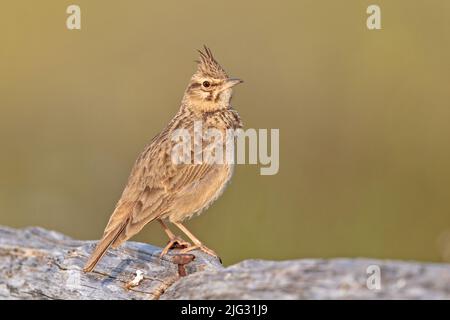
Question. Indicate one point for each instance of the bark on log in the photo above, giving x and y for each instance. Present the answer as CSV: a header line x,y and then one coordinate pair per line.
x,y
39,264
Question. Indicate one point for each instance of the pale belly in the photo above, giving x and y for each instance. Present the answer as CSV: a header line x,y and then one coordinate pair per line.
x,y
201,194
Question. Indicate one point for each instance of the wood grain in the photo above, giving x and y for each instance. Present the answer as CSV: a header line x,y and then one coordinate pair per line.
x,y
39,264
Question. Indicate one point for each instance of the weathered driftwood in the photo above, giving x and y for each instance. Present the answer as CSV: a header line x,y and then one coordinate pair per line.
x,y
40,264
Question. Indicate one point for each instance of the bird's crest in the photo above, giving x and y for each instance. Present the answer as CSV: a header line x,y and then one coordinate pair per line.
x,y
208,66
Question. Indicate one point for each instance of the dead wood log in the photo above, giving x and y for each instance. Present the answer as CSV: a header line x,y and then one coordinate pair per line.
x,y
39,264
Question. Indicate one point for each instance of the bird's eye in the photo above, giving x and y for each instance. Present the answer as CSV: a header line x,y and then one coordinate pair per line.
x,y
206,84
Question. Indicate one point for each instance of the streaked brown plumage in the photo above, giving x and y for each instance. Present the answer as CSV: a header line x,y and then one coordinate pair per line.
x,y
158,189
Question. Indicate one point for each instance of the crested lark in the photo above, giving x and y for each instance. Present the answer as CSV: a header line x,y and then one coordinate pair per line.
x,y
158,189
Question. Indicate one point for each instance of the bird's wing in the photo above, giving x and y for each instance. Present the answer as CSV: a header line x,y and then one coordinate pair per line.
x,y
144,187
154,202
154,184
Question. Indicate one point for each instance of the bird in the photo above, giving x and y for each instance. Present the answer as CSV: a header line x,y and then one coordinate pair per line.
x,y
159,189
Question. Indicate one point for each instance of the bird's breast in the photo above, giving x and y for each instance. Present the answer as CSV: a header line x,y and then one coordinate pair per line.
x,y
201,194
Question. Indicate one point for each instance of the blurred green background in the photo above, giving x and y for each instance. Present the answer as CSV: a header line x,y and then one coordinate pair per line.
x,y
363,118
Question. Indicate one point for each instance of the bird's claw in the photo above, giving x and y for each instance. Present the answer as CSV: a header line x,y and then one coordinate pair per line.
x,y
175,243
202,248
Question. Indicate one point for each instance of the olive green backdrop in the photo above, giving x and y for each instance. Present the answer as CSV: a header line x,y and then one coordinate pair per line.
x,y
363,118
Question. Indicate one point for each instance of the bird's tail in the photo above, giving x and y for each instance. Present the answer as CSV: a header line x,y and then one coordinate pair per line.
x,y
107,240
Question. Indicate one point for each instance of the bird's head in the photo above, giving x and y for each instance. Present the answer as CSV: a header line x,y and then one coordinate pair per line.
x,y
210,88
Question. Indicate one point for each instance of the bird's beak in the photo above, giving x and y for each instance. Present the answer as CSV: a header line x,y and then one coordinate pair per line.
x,y
231,82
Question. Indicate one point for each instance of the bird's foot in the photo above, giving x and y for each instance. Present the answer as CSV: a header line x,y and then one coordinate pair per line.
x,y
203,248
175,243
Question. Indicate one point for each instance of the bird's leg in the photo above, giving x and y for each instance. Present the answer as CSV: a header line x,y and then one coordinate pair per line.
x,y
197,243
174,241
